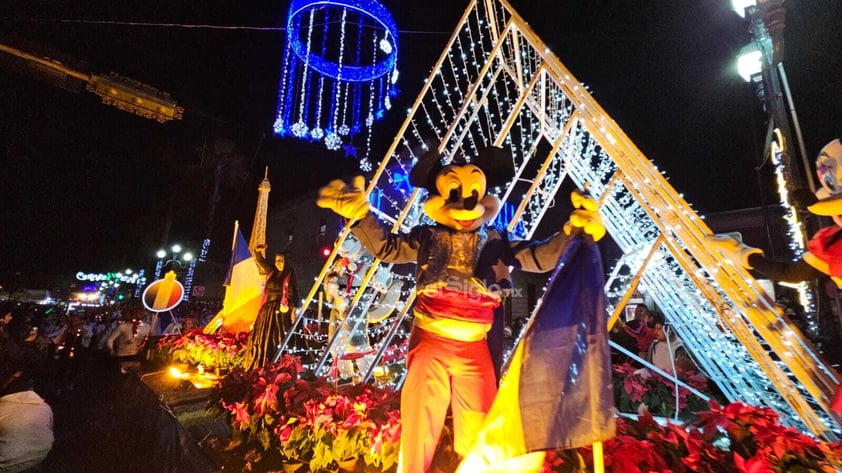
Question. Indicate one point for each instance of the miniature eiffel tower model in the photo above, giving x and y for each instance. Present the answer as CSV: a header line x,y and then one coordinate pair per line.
x,y
498,84
258,229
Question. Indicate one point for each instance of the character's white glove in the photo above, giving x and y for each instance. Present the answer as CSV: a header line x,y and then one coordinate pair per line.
x,y
732,249
347,200
585,216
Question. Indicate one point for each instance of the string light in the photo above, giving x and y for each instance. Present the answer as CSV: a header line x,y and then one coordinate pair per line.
x,y
796,231
327,86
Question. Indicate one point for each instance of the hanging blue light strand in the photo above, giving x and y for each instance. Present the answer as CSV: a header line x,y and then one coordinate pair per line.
x,y
317,132
356,80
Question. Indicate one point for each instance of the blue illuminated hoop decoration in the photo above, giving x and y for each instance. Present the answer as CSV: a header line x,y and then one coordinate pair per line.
x,y
339,70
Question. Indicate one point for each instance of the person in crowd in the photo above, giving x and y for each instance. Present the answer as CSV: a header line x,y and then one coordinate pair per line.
x,y
23,334
640,328
275,318
508,339
667,351
72,337
26,420
5,318
100,329
187,324
129,336
69,349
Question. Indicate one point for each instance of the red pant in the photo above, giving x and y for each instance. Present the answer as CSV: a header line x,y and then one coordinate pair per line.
x,y
836,403
441,373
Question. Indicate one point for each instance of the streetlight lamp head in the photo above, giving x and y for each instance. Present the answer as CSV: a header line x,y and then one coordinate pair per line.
x,y
187,256
749,62
176,248
740,6
161,253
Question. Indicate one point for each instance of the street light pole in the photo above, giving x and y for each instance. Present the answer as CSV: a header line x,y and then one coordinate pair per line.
x,y
767,21
186,262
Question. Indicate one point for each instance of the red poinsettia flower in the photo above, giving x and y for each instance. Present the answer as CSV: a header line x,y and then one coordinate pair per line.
x,y
283,432
240,413
635,388
266,400
755,464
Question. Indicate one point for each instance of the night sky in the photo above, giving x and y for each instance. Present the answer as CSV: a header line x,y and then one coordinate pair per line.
x,y
84,186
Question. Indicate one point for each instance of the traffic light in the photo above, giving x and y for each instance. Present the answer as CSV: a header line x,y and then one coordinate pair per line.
x,y
326,251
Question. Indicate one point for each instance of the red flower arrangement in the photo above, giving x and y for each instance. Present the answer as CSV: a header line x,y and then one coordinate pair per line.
x,y
198,348
737,438
306,420
636,389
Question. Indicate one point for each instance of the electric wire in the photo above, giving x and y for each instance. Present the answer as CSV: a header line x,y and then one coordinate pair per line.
x,y
182,25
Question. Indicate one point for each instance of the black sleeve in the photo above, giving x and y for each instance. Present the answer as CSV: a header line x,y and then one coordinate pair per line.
x,y
263,266
534,256
795,271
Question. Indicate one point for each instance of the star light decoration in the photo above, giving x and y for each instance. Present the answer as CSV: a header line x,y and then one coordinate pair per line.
x,y
339,72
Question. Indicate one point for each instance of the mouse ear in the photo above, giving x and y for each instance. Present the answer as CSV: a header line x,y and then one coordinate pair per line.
x,y
424,172
497,165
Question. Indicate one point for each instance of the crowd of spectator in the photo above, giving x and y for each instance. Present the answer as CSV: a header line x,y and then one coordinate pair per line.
x,y
47,352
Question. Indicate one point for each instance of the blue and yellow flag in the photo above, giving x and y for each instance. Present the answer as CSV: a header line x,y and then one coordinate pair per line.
x,y
243,290
557,392
240,255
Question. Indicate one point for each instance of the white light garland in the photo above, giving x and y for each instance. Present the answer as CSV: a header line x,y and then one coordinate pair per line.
x,y
649,221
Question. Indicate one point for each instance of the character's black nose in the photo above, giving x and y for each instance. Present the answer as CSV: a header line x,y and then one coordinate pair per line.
x,y
471,201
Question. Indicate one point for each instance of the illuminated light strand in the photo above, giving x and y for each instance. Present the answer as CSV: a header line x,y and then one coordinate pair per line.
x,y
446,94
433,127
365,164
203,253
345,129
141,282
158,267
795,230
278,125
317,132
344,79
188,280
472,48
338,82
435,101
299,129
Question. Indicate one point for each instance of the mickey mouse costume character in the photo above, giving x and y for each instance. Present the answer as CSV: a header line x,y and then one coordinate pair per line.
x,y
824,251
460,262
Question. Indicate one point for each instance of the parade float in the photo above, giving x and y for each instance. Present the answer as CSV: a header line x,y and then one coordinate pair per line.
x,y
765,402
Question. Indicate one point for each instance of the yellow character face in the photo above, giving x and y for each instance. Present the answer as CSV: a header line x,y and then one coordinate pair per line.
x,y
829,172
828,168
461,202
